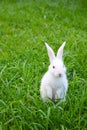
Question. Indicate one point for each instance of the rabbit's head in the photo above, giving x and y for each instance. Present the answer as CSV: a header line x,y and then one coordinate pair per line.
x,y
56,67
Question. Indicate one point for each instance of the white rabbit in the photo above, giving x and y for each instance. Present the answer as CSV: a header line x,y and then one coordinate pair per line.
x,y
54,83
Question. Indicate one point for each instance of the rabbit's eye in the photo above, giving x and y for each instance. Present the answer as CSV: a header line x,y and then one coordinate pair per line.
x,y
53,67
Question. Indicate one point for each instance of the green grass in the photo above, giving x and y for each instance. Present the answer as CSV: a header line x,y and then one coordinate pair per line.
x,y
25,26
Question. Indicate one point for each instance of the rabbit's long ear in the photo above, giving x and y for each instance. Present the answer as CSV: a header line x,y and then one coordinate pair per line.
x,y
60,51
50,52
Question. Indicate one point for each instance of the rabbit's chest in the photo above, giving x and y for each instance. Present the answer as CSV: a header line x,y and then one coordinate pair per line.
x,y
56,84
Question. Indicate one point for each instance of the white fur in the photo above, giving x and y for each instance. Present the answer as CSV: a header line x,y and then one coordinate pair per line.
x,y
54,83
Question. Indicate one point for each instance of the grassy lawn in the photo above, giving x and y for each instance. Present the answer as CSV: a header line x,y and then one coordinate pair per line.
x,y
25,25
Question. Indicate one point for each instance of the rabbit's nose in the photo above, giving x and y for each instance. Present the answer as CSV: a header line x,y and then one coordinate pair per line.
x,y
60,74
